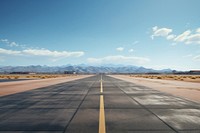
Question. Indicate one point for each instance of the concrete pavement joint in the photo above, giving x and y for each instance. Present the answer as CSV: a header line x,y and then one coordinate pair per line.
x,y
148,110
78,108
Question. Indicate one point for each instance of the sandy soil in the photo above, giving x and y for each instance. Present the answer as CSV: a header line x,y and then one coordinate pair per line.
x,y
7,88
183,89
188,78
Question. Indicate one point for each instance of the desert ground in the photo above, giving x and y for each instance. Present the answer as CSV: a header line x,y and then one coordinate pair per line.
x,y
185,86
33,76
187,78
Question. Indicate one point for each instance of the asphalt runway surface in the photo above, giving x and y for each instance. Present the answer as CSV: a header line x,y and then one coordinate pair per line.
x,y
97,104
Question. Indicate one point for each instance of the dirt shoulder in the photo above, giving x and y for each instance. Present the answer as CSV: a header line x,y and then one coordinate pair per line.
x,y
7,88
183,89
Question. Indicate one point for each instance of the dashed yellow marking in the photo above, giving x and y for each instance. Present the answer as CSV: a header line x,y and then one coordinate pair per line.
x,y
102,125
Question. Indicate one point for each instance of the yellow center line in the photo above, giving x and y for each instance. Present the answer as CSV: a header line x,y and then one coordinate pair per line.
x,y
102,126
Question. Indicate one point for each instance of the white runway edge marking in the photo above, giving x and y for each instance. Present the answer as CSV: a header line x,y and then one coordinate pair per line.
x,y
101,88
102,126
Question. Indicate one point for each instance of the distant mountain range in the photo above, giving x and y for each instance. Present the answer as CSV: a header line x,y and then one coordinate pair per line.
x,y
82,68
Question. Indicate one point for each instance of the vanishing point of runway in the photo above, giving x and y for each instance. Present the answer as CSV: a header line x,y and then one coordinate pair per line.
x,y
97,104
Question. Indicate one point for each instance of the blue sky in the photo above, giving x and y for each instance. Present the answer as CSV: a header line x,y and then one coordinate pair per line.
x,y
151,33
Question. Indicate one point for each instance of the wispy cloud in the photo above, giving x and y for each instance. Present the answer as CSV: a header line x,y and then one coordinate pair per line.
x,y
130,50
163,32
194,38
41,52
10,43
182,37
131,60
135,42
170,37
187,37
196,58
120,49
9,52
198,30
13,44
46,52
192,57
4,40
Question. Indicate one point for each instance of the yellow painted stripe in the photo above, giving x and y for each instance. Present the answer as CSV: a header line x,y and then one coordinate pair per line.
x,y
102,127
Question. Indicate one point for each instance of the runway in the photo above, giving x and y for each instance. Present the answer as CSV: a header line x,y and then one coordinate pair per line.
x,y
98,104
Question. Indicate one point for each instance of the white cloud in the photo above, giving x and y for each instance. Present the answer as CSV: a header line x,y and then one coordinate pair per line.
x,y
120,49
130,50
155,28
131,60
182,37
163,32
46,52
170,37
198,30
42,52
9,52
196,58
10,44
194,38
186,37
4,40
13,44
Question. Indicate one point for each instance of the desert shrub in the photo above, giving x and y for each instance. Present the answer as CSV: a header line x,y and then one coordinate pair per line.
x,y
43,77
170,77
193,77
16,77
